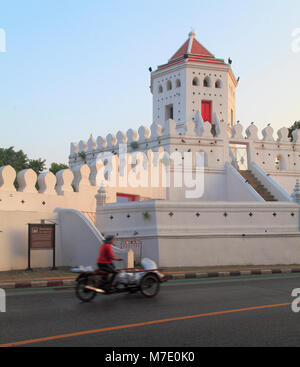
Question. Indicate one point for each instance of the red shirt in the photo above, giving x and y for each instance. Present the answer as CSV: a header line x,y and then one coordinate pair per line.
x,y
106,254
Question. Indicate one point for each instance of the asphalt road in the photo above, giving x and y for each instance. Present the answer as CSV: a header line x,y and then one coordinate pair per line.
x,y
254,311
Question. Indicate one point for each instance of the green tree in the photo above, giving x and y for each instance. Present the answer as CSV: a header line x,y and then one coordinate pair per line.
x,y
38,165
294,127
56,167
18,160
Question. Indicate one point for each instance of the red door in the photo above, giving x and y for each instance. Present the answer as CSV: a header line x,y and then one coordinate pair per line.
x,y
206,111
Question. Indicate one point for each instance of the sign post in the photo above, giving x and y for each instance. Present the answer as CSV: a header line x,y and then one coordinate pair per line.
x,y
41,237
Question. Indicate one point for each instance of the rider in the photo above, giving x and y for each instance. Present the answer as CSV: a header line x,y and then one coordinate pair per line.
x,y
106,258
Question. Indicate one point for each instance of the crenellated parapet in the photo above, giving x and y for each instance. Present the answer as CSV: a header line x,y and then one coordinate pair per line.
x,y
27,191
272,153
29,182
196,135
77,189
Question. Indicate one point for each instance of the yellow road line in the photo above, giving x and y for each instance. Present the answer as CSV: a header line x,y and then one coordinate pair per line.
x,y
155,322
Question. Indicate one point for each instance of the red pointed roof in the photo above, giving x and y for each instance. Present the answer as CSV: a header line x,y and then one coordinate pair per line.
x,y
198,49
182,51
192,51
195,48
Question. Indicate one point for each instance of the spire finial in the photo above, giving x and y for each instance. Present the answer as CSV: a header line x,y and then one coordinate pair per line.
x,y
192,33
192,36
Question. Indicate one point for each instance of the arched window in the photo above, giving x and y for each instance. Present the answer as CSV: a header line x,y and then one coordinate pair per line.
x,y
207,82
169,85
280,163
160,89
178,83
195,82
218,84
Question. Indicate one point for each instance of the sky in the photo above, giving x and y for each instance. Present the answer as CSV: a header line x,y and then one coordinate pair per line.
x,y
72,68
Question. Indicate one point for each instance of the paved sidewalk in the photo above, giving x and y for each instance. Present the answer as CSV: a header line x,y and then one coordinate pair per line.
x,y
63,276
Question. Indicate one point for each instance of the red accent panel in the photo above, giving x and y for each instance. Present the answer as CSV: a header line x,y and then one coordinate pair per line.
x,y
206,111
129,197
193,58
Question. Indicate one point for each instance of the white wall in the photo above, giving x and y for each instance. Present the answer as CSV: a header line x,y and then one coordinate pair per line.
x,y
249,233
229,250
29,205
80,240
175,96
286,180
14,240
77,240
196,94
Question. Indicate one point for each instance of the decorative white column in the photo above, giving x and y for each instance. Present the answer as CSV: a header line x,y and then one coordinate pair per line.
x,y
101,196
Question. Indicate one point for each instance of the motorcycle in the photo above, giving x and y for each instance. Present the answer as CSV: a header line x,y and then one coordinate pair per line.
x,y
146,280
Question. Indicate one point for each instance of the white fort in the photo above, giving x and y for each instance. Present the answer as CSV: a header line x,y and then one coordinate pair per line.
x,y
132,183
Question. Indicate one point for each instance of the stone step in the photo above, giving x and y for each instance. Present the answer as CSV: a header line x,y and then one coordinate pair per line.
x,y
257,186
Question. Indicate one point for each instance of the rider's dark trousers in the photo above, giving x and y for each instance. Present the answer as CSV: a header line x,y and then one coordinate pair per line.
x,y
109,268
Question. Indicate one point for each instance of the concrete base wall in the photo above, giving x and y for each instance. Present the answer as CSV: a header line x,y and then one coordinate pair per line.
x,y
14,241
286,181
229,250
208,234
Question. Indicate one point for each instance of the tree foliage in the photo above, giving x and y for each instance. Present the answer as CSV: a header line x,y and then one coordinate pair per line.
x,y
294,127
56,167
18,160
38,165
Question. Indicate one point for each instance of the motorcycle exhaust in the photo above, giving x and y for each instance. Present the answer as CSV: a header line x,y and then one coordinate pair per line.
x,y
94,289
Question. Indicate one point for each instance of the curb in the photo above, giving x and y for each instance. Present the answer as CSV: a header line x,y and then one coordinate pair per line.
x,y
182,276
38,284
223,274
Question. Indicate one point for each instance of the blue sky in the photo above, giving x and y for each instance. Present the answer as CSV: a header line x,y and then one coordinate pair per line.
x,y
73,68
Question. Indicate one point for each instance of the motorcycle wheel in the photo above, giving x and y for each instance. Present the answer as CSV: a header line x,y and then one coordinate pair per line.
x,y
149,285
85,295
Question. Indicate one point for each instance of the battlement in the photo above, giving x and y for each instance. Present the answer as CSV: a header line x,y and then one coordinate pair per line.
x,y
271,153
77,189
46,191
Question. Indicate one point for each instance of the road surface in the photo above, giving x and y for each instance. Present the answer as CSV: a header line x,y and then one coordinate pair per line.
x,y
253,311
